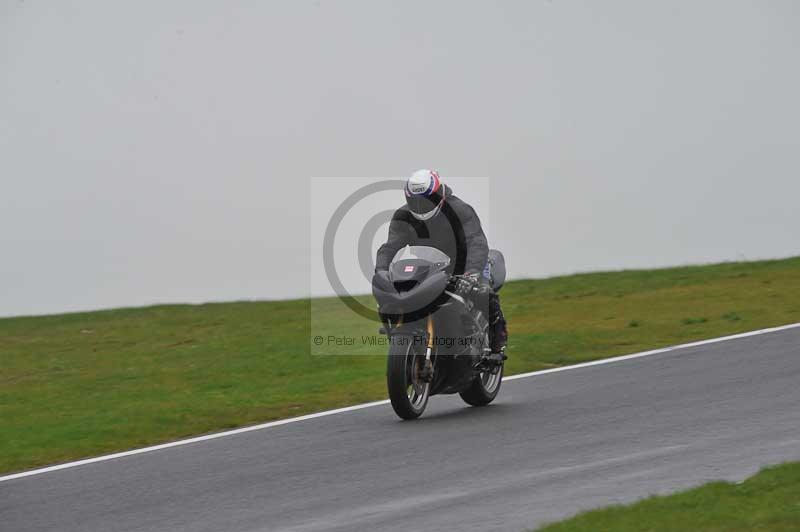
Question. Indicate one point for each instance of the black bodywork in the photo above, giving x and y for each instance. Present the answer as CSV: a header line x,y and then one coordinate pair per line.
x,y
413,289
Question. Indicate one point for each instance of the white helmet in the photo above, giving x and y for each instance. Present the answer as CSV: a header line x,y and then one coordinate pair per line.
x,y
425,194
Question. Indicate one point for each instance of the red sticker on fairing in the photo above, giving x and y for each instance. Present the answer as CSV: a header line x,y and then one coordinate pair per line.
x,y
409,269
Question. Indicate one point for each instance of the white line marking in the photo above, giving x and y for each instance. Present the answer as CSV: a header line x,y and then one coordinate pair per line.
x,y
190,440
377,403
649,353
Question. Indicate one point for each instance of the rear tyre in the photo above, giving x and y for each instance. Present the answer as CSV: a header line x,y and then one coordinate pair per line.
x,y
484,388
407,392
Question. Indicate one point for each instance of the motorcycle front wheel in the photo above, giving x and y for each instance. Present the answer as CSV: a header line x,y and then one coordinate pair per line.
x,y
408,393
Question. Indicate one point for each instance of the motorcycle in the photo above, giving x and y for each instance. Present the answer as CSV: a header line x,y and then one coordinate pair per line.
x,y
438,339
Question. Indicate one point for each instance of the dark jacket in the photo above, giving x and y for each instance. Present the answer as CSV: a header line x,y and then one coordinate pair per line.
x,y
456,231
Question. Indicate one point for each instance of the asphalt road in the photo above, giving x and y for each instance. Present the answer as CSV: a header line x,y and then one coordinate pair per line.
x,y
551,445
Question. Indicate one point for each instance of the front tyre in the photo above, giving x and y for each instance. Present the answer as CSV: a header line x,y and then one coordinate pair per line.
x,y
484,388
408,393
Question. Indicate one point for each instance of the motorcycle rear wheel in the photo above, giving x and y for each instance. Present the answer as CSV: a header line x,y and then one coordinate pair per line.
x,y
484,388
407,392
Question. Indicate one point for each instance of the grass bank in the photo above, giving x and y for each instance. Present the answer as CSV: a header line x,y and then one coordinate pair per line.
x,y
767,502
78,385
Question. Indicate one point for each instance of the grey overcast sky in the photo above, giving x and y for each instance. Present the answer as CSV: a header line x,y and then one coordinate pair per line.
x,y
162,151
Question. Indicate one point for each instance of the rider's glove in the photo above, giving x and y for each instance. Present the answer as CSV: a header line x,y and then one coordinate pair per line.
x,y
466,283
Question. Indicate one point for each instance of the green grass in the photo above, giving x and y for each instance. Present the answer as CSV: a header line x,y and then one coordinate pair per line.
x,y
78,385
766,502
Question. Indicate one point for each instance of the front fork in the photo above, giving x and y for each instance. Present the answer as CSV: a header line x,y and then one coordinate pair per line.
x,y
427,369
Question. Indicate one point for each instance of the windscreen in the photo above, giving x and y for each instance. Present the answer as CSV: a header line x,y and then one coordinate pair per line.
x,y
433,255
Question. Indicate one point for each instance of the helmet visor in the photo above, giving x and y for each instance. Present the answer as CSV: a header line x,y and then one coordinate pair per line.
x,y
425,207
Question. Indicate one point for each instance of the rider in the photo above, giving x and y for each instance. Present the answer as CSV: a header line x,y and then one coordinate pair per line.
x,y
434,217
